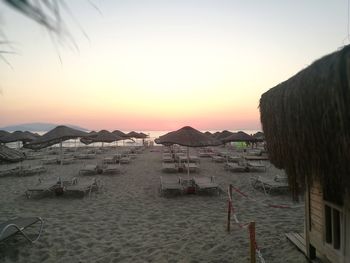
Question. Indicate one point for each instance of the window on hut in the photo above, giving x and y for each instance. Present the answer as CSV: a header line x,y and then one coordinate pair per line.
x,y
333,225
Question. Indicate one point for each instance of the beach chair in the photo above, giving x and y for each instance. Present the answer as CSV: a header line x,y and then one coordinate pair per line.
x,y
66,161
32,170
44,187
109,160
253,166
89,169
236,167
270,185
53,160
124,160
205,183
217,159
12,171
193,167
111,169
169,167
18,225
170,184
82,188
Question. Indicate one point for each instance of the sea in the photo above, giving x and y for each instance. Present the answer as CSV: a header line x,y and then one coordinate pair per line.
x,y
152,135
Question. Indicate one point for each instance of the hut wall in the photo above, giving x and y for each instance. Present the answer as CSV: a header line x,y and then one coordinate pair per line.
x,y
317,229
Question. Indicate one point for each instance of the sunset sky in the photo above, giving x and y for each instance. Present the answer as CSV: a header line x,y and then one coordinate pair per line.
x,y
160,65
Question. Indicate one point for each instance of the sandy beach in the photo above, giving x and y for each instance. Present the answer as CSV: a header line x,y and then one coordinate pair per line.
x,y
128,221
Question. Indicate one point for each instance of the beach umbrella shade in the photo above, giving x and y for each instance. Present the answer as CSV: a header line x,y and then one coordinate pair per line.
x,y
190,137
135,135
57,135
3,133
223,134
120,134
10,155
259,136
239,137
101,136
18,136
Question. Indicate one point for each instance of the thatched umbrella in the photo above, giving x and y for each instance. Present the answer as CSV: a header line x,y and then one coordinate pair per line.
x,y
208,133
56,135
259,136
190,137
306,122
3,133
120,133
101,136
18,136
10,155
239,137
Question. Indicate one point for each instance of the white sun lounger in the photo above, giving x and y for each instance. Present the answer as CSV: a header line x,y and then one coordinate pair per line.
x,y
169,167
270,185
79,187
170,184
18,225
235,167
205,183
256,166
111,169
89,169
193,167
44,187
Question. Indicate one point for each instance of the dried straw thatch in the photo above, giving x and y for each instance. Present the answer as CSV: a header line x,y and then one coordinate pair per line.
x,y
239,137
187,136
10,155
3,133
101,136
135,135
259,136
306,122
120,134
18,136
222,135
56,135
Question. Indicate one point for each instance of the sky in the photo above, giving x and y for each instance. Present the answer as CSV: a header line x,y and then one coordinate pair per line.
x,y
161,65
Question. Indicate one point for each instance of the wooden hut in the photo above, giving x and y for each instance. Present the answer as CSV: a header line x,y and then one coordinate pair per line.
x,y
306,122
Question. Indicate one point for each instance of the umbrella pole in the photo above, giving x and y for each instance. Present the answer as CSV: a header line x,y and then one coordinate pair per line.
x,y
188,162
61,152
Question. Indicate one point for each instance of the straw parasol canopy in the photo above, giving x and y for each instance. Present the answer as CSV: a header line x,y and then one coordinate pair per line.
x,y
101,136
306,122
143,135
10,155
188,136
208,133
239,137
3,133
259,136
220,136
56,135
17,136
120,134
135,135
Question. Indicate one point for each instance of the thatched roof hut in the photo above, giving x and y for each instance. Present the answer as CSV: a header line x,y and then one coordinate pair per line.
x,y
306,122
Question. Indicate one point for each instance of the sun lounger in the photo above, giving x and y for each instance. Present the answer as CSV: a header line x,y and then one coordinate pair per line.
x,y
66,161
82,187
205,183
18,225
83,156
89,169
12,171
44,187
256,166
111,169
52,160
169,167
193,167
270,185
170,184
124,160
109,160
236,167
218,159
31,170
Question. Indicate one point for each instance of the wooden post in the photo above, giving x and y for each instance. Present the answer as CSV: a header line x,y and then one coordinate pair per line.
x,y
229,208
252,242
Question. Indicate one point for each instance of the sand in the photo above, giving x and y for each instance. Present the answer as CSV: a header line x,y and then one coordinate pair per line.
x,y
128,221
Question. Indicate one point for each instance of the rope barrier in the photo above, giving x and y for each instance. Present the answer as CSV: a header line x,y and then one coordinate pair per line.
x,y
243,226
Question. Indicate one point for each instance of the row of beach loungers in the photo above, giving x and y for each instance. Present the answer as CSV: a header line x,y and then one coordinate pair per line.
x,y
174,184
59,187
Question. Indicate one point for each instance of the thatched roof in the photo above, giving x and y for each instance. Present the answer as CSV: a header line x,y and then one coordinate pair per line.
x,y
259,136
306,122
223,134
120,133
143,135
134,134
10,155
187,136
56,135
18,136
239,137
3,133
101,136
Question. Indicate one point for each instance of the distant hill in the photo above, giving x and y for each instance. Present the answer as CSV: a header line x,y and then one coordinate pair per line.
x,y
37,126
